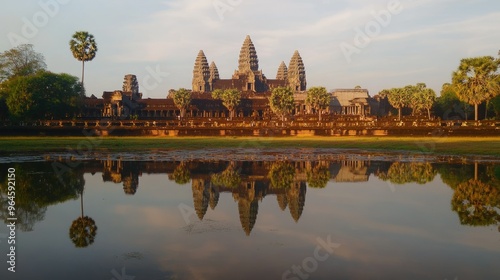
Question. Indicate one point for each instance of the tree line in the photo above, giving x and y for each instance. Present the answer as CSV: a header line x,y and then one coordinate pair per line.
x,y
281,101
476,81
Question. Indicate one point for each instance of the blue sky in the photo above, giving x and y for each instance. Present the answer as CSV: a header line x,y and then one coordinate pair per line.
x,y
422,41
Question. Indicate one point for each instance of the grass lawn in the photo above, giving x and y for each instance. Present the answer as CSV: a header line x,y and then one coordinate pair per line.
x,y
436,145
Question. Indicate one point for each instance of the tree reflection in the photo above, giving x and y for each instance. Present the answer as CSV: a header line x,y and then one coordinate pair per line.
x,y
37,187
453,175
83,230
229,178
318,177
281,174
181,174
476,203
410,172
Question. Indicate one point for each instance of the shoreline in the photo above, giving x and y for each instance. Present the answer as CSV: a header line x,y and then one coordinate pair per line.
x,y
251,154
430,146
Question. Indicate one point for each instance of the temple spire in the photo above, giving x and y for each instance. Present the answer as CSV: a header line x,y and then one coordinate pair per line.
x,y
214,72
201,73
297,73
282,72
248,60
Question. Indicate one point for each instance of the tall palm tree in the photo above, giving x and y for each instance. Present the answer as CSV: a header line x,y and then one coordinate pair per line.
x,y
182,99
83,47
319,99
281,101
476,80
398,98
83,230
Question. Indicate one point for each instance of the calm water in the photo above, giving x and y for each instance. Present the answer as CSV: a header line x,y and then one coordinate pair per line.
x,y
111,219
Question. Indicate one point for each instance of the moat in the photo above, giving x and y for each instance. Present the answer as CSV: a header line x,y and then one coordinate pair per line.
x,y
185,216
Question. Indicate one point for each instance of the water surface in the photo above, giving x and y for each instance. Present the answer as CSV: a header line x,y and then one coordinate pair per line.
x,y
282,219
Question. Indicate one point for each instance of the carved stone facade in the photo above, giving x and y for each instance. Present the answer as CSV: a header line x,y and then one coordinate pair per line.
x,y
248,77
355,101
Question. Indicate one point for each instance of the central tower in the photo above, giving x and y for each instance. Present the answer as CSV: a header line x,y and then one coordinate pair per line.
x,y
248,62
248,74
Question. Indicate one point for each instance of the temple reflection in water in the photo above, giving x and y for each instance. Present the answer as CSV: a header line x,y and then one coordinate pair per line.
x,y
475,186
227,218
250,182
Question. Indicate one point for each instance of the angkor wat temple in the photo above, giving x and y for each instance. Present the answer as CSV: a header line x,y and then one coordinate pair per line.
x,y
248,78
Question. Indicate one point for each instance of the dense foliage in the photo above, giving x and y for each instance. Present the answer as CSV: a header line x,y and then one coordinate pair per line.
x,y
182,98
44,95
231,98
318,98
281,101
476,80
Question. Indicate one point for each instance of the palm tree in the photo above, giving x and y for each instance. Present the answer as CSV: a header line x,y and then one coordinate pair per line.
x,y
182,99
231,98
413,97
421,98
83,47
398,98
318,98
83,230
428,97
281,101
476,80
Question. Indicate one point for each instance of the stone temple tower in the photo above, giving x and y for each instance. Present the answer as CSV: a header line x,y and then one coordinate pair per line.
x,y
201,73
214,75
282,72
248,61
248,71
130,84
297,73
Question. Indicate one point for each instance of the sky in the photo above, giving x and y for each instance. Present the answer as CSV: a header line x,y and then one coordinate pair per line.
x,y
376,44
